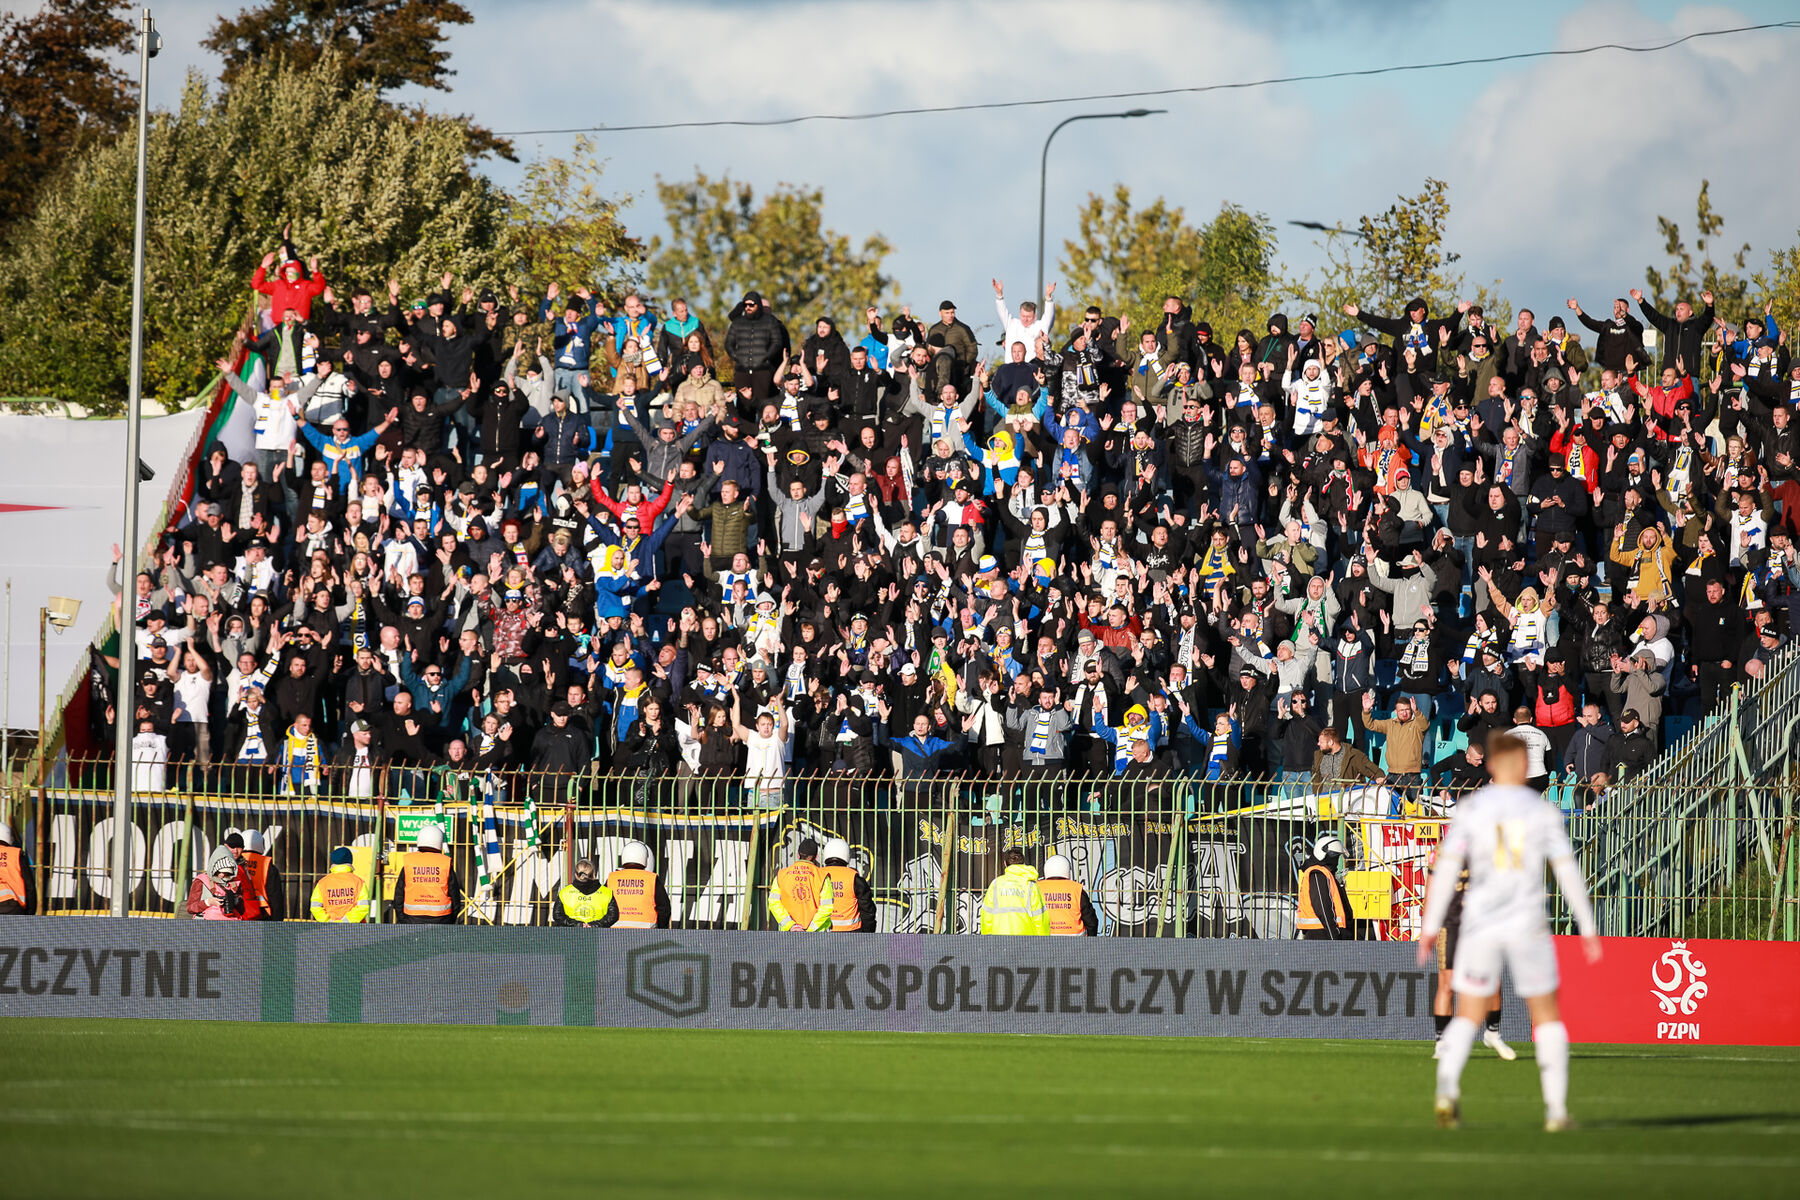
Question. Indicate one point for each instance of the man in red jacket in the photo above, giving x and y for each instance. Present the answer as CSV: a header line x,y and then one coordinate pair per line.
x,y
634,501
293,288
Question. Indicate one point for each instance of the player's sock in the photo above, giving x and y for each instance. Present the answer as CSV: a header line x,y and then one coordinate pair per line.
x,y
1493,1021
1553,1068
1439,1022
1459,1039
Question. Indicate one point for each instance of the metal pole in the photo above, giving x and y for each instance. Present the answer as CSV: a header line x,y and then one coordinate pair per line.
x,y
1043,177
148,43
43,830
6,717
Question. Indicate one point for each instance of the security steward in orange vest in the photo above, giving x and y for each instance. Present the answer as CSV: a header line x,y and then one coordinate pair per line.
x,y
638,891
852,903
341,897
1324,914
584,901
262,877
427,891
253,909
802,899
18,894
1066,902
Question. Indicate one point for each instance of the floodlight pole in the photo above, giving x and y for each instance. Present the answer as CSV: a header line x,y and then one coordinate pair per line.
x,y
149,42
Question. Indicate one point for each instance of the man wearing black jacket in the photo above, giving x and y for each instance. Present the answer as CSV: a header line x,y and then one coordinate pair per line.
x,y
1590,750
1623,335
1716,630
1682,333
1415,331
1298,734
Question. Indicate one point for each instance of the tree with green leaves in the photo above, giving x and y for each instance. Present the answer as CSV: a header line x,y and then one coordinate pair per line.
x,y
60,92
1385,260
224,174
1127,260
1685,279
723,242
562,228
386,44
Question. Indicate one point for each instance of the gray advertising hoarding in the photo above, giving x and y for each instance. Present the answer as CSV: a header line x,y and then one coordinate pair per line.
x,y
485,975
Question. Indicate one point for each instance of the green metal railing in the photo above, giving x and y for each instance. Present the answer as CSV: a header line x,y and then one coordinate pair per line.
x,y
1160,857
1682,848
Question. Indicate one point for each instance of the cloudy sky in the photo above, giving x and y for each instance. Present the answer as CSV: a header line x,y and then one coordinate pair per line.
x,y
1557,168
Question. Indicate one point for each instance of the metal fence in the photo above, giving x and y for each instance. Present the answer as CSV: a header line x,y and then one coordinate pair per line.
x,y
1688,845
1160,857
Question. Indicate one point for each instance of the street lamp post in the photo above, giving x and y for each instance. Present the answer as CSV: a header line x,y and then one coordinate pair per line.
x,y
1044,167
149,42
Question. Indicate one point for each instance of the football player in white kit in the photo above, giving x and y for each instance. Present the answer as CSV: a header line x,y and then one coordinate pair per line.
x,y
1505,834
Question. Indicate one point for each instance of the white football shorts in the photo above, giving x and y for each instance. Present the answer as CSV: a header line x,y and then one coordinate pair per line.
x,y
1528,955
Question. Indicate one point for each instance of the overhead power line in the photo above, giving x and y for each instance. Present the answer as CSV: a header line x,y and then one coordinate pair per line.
x,y
1245,85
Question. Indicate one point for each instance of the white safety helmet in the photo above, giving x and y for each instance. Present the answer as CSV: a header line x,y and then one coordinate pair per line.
x,y
431,837
6,833
1057,866
836,848
254,843
1326,845
636,852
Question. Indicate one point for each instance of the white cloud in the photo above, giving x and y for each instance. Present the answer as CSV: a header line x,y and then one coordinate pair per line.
x,y
1559,171
955,193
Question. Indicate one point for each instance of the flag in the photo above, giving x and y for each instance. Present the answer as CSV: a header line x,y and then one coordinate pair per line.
x,y
531,822
487,851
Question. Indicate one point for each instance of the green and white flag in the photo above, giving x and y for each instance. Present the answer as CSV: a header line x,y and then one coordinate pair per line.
x,y
531,822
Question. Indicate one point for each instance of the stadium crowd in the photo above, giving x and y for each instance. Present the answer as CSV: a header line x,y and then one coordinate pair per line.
x,y
544,536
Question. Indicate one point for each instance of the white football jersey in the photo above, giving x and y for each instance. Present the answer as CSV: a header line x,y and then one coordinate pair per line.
x,y
1506,836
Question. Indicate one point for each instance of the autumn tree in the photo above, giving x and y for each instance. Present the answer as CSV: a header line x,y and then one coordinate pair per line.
x,y
561,227
1685,279
1383,261
723,242
1127,260
59,92
224,173
385,44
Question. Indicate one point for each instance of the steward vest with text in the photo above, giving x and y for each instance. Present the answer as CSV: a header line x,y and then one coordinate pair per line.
x,y
341,893
1062,903
846,914
256,886
427,877
12,875
583,908
798,886
635,890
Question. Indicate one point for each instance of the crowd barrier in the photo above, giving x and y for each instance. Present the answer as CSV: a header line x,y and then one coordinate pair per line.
x,y
1650,991
1704,836
1170,857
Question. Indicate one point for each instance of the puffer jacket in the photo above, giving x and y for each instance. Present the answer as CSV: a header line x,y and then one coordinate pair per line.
x,y
755,343
1186,442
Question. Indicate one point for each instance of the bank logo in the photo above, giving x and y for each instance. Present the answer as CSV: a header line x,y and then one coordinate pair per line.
x,y
1679,979
668,979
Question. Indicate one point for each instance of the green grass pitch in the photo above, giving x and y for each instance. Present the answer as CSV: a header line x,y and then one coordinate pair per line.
x,y
146,1108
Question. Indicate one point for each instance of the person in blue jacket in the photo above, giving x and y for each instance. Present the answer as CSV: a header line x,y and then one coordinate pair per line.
x,y
1140,725
342,453
572,338
922,753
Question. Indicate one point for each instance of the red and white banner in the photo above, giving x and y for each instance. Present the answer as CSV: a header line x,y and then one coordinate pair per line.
x,y
1406,849
1674,990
